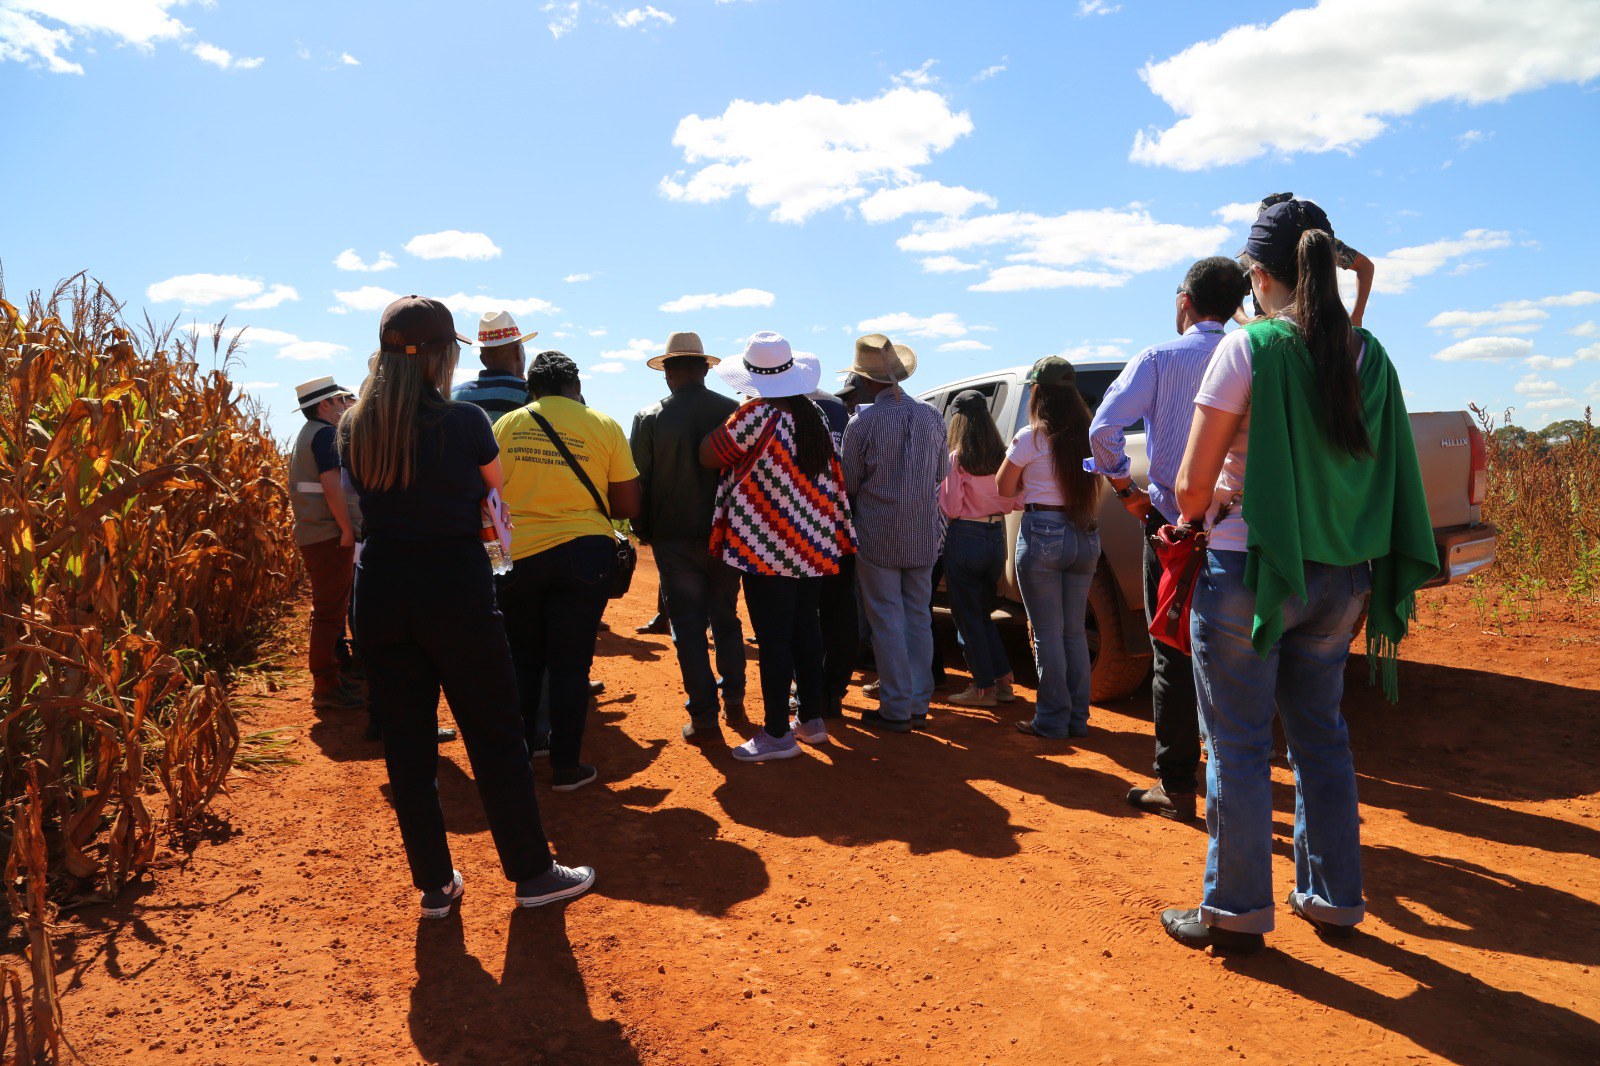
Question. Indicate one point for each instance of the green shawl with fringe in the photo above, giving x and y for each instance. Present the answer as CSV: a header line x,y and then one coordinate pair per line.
x,y
1308,501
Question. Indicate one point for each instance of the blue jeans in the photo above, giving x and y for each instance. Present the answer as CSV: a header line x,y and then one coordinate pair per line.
x,y
702,589
1303,677
1055,565
898,605
974,561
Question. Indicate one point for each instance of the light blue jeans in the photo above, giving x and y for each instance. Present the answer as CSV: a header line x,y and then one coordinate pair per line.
x,y
1303,677
898,605
1055,566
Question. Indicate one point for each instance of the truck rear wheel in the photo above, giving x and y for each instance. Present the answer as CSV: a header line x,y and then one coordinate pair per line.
x,y
1113,672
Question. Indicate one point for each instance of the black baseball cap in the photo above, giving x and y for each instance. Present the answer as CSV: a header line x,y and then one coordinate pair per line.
x,y
414,324
1275,236
970,402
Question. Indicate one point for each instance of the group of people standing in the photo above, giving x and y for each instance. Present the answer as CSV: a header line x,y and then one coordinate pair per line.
x,y
831,511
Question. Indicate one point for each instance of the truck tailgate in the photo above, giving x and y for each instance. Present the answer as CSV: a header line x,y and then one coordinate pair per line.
x,y
1444,450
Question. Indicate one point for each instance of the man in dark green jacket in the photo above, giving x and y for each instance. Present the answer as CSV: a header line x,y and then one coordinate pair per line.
x,y
675,520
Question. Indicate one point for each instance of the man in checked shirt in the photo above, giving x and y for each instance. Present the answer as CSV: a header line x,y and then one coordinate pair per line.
x,y
1158,386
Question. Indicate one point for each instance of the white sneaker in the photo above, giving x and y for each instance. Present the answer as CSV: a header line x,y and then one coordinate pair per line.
x,y
762,747
812,732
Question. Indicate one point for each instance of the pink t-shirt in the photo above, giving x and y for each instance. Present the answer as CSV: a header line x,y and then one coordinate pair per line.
x,y
964,495
1030,450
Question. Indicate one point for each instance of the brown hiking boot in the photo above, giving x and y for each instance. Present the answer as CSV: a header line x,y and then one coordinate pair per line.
x,y
1179,806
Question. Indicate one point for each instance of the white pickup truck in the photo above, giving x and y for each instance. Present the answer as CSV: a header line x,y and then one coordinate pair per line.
x,y
1449,445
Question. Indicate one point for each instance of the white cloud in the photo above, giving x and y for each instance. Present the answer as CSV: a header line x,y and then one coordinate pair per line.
x,y
1424,52
223,59
1545,362
248,336
479,304
271,298
563,18
1486,349
964,346
903,324
249,64
1245,211
349,60
799,157
366,298
1023,278
573,279
1584,329
452,244
1580,298
1532,385
349,260
1097,7
1471,137
309,350
709,300
637,351
25,37
920,78
1092,353
1394,273
1502,315
922,198
258,386
608,368
988,72
198,290
1117,241
641,16
1554,403
947,264
597,333
1590,353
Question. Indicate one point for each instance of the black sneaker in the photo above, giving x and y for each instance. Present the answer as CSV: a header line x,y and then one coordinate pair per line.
x,y
572,778
555,884
539,747
438,903
596,687
1186,928
1329,930
877,721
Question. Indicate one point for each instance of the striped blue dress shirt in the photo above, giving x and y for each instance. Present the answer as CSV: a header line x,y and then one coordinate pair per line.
x,y
1158,385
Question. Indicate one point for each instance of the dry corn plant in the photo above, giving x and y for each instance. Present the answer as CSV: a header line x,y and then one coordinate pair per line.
x,y
144,533
1541,496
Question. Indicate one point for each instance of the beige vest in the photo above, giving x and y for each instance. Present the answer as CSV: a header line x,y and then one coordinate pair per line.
x,y
313,519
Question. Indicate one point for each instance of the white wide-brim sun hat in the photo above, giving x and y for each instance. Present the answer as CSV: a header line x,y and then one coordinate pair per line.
x,y
768,369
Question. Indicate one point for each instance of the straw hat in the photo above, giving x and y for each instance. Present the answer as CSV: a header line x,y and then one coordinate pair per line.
x,y
768,369
498,327
686,344
313,392
879,359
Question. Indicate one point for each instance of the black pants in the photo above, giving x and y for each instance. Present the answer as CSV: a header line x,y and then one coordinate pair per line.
x,y
841,629
1177,713
425,618
553,601
783,611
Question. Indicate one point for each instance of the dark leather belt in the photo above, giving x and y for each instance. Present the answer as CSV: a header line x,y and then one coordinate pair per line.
x,y
986,520
1044,507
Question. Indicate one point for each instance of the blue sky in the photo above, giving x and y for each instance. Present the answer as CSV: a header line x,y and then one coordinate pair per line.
x,y
988,183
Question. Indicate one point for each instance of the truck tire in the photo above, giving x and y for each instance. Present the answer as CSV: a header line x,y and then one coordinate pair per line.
x,y
1113,672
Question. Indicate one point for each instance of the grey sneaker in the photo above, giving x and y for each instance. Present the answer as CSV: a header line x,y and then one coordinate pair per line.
x,y
763,746
570,779
973,696
1003,692
812,732
555,884
437,904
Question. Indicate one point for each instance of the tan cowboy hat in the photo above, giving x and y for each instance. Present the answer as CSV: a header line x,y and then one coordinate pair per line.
x,y
880,359
683,344
498,327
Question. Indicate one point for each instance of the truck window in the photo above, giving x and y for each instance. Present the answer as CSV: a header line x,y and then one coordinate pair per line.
x,y
1091,383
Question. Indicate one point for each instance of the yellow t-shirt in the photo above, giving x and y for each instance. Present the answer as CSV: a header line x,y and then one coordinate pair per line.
x,y
549,505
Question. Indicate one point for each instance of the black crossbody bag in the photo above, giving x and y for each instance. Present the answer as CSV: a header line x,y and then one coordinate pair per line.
x,y
627,554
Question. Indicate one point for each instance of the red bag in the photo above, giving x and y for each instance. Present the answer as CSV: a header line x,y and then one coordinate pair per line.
x,y
1181,552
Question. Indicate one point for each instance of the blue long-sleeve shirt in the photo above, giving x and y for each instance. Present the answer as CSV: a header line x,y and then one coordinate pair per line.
x,y
1158,385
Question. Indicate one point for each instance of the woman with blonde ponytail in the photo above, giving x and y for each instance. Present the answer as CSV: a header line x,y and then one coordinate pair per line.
x,y
1326,519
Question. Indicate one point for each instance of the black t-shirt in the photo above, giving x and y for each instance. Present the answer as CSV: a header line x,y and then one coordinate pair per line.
x,y
324,451
446,488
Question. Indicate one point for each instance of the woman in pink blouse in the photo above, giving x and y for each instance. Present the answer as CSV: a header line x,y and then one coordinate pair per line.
x,y
975,547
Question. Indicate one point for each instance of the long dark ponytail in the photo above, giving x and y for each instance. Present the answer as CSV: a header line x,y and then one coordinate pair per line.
x,y
1319,311
1062,414
813,442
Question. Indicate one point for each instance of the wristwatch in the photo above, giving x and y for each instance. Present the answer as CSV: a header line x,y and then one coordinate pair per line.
x,y
1123,494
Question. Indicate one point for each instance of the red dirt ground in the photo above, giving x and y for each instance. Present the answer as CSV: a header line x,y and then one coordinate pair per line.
x,y
966,895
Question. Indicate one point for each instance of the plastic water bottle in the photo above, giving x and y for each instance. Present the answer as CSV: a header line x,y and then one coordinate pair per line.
x,y
499,558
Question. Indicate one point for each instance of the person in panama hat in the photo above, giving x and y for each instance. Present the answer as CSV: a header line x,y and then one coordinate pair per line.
x,y
675,520
781,519
499,387
894,462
